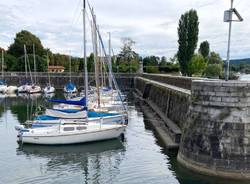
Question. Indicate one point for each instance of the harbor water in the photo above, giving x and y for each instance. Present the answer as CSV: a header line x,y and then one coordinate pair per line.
x,y
139,158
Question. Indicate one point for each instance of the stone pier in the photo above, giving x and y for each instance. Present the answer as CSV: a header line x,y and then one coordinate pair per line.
x,y
216,136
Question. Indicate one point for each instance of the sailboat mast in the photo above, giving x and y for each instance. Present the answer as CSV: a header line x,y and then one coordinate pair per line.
x,y
97,75
48,68
34,57
69,67
2,64
110,62
25,62
84,52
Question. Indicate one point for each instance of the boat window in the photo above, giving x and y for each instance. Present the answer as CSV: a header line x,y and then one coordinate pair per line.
x,y
68,128
81,128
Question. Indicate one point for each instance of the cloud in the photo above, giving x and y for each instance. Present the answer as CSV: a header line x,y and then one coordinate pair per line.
x,y
152,24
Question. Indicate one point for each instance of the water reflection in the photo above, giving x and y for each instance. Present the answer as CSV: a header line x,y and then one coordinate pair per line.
x,y
97,162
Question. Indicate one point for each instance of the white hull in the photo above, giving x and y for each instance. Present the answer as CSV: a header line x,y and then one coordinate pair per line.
x,y
34,89
49,89
11,89
3,88
70,91
82,136
23,88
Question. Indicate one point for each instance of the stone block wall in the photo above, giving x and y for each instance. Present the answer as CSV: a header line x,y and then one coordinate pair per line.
x,y
178,81
216,136
173,102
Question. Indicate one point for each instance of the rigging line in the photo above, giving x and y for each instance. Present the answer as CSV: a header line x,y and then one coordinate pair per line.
x,y
110,67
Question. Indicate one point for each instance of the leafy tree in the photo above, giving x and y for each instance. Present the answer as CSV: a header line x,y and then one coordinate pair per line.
x,y
214,58
25,37
128,60
10,62
215,66
188,31
204,49
163,61
213,71
197,65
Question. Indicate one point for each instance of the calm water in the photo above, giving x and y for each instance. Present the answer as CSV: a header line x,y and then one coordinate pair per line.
x,y
139,159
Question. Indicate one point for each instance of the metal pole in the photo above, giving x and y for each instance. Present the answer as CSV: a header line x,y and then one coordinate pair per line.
x,y
34,57
228,46
2,64
84,53
110,62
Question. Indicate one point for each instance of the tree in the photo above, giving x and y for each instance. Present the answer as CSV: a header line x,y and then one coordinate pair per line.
x,y
204,49
128,60
25,37
163,62
188,31
213,71
214,58
197,65
215,66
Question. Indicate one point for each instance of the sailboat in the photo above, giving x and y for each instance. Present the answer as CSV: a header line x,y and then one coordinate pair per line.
x,y
25,84
72,132
49,88
3,85
70,86
34,87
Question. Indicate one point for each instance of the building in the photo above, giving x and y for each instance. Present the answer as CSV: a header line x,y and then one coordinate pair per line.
x,y
56,69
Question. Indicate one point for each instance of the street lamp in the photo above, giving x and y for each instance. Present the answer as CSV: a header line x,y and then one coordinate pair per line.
x,y
228,17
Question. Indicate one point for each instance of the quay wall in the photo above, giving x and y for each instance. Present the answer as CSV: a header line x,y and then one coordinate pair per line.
x,y
169,102
125,81
178,81
216,136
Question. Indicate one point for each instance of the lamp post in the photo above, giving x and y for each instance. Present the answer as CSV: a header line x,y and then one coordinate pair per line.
x,y
228,17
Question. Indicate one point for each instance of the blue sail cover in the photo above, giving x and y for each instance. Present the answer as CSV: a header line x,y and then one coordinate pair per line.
x,y
2,82
70,86
91,114
81,102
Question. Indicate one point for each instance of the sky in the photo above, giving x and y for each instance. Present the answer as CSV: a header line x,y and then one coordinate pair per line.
x,y
152,24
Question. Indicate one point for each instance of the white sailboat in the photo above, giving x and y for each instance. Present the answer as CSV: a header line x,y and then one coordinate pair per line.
x,y
70,86
73,132
25,86
34,87
49,88
3,85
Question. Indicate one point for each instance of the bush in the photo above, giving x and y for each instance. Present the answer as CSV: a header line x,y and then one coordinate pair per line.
x,y
169,68
213,71
151,69
196,65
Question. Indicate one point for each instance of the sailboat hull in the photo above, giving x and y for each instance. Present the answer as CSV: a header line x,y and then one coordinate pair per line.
x,y
49,89
34,89
74,138
3,88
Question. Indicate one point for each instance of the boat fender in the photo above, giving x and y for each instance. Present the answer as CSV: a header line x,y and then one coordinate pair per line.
x,y
19,127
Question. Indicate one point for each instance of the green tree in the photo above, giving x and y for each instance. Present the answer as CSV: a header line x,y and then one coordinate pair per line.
x,y
213,71
128,60
214,58
214,68
188,31
197,65
163,61
25,38
204,49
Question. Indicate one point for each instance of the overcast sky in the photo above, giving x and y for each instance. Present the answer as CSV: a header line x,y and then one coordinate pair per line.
x,y
152,24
